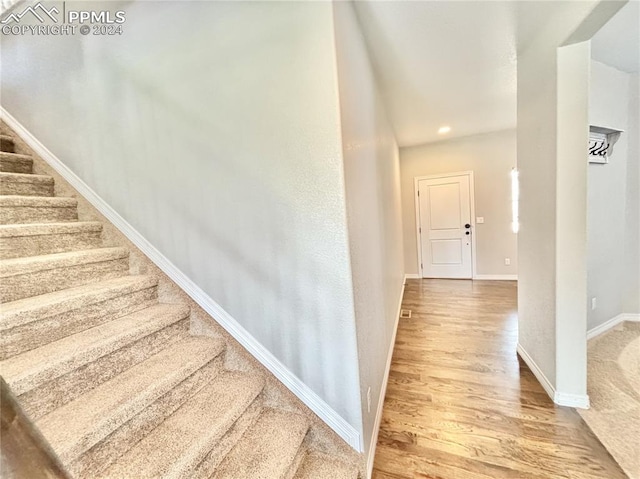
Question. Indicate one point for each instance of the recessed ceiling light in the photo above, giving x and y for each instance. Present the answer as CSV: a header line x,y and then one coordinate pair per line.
x,y
444,130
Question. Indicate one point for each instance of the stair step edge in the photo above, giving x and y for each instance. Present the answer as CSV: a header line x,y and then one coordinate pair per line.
x,y
269,447
20,156
26,177
27,371
85,421
38,201
31,264
38,229
24,311
178,445
317,465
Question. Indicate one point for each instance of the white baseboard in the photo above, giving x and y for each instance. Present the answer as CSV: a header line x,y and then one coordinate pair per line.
x,y
558,397
537,372
612,323
412,276
496,277
383,391
477,277
235,329
571,400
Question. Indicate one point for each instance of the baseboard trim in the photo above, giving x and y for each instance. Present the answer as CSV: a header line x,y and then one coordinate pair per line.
x,y
571,400
496,277
412,276
383,391
558,397
537,372
612,323
477,277
325,412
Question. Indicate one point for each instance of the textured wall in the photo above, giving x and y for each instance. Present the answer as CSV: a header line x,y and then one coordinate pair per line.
x,y
631,302
214,130
607,258
537,139
572,100
536,238
491,157
553,97
373,207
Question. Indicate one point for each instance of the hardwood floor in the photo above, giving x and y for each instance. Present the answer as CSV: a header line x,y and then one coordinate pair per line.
x,y
461,405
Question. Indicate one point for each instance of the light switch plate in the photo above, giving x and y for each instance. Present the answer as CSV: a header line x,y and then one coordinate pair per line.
x,y
480,219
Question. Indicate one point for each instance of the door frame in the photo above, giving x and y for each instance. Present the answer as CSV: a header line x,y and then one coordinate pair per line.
x,y
472,200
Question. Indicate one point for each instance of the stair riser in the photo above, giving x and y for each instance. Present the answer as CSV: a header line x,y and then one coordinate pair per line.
x,y
17,165
53,326
297,461
226,443
28,285
51,394
26,188
278,432
104,453
7,145
35,245
10,215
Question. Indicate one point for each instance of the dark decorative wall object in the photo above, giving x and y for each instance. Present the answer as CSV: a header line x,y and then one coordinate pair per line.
x,y
601,141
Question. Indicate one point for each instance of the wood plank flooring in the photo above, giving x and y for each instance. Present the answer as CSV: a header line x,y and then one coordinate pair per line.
x,y
460,404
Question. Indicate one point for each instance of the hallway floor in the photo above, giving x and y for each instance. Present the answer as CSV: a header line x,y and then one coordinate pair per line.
x,y
460,404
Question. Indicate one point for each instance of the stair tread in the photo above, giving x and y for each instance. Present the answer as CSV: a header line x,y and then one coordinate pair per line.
x,y
35,229
268,449
23,311
8,154
83,422
28,370
38,201
30,264
15,162
322,466
25,177
181,442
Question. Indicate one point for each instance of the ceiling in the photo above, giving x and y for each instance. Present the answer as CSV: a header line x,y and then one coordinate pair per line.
x,y
451,63
618,43
432,76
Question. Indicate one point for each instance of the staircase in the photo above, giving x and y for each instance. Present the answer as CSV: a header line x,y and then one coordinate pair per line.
x,y
111,376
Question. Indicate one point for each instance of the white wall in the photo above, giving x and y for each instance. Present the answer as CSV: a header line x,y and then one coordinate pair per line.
x,y
610,253
373,207
573,63
536,238
552,129
214,130
491,156
631,302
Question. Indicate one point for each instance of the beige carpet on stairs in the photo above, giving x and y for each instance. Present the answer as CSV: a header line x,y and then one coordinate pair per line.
x,y
614,391
111,375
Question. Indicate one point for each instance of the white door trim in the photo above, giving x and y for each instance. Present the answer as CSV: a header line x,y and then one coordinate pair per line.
x,y
472,199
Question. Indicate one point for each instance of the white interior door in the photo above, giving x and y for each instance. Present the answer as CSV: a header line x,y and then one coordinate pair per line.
x,y
445,227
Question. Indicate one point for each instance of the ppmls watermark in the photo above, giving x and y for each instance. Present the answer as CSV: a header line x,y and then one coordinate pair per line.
x,y
40,20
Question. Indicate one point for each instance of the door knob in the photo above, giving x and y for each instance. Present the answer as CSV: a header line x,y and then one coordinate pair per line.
x,y
467,226
467,233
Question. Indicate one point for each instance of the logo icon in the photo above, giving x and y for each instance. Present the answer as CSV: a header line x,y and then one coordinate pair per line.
x,y
38,7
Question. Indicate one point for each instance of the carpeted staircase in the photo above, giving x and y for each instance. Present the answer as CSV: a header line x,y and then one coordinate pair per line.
x,y
111,376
